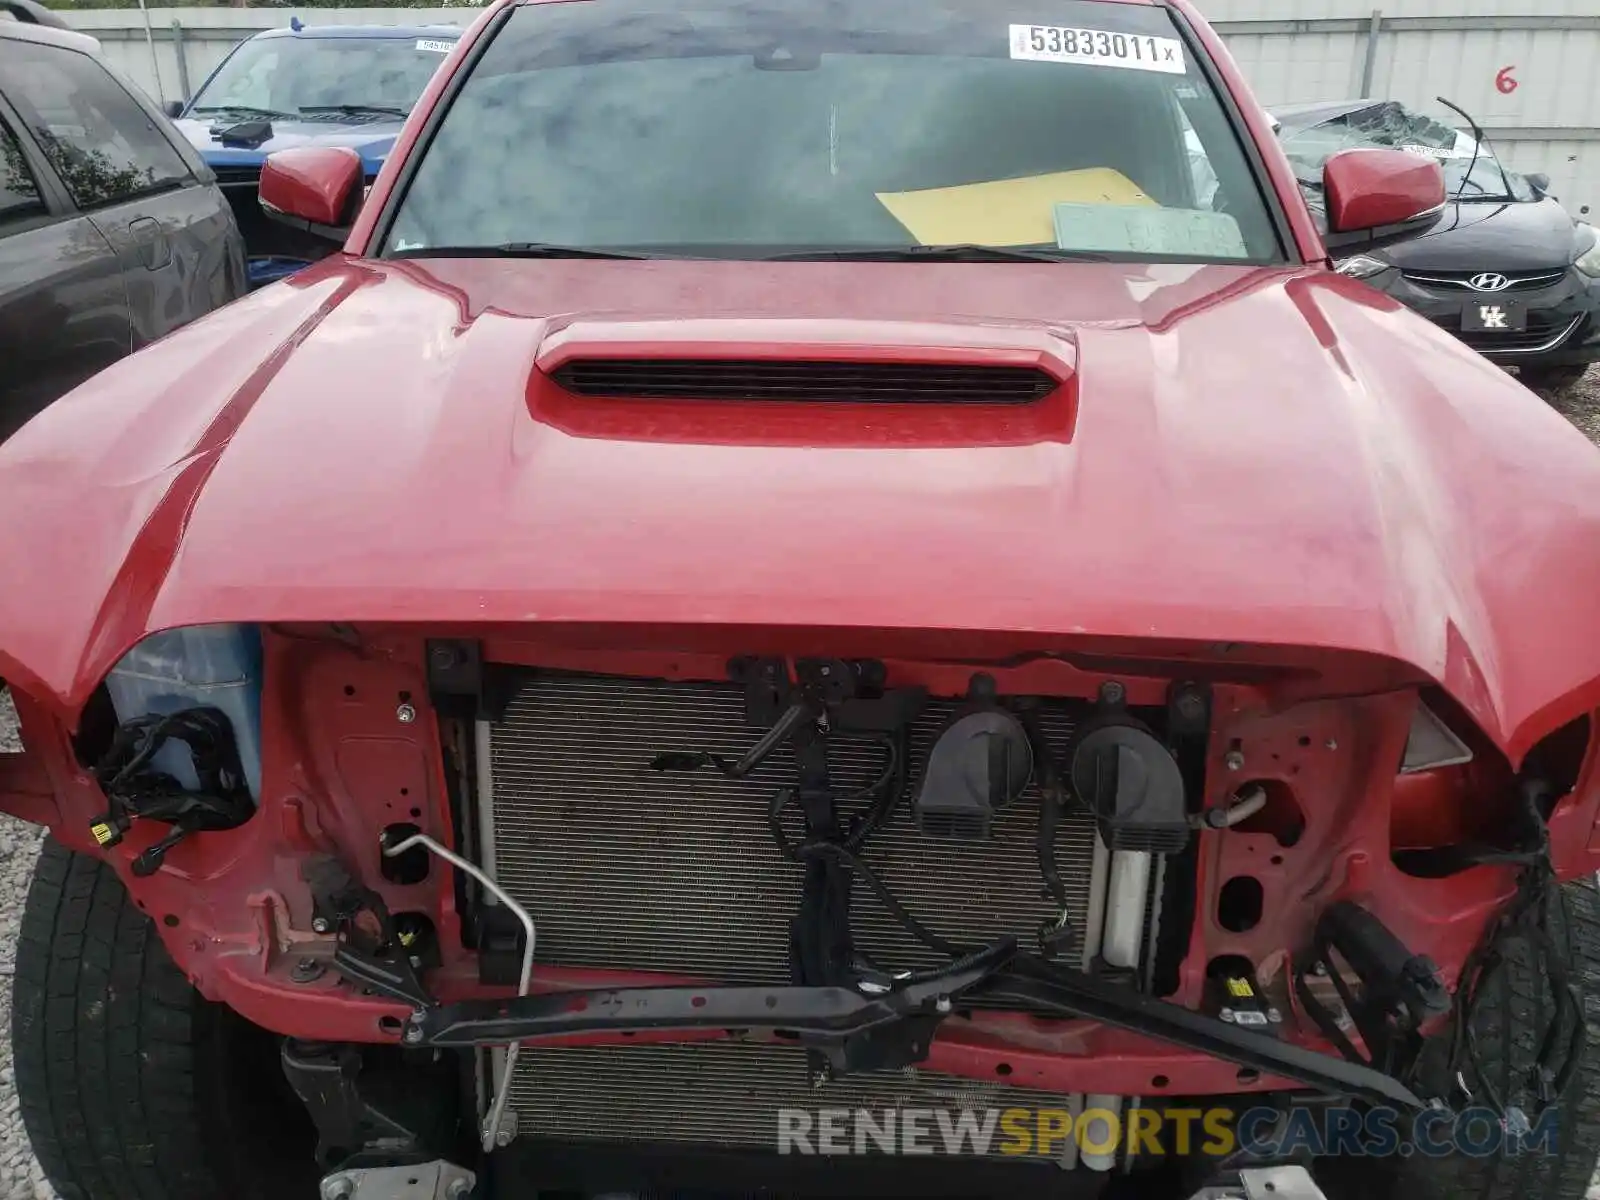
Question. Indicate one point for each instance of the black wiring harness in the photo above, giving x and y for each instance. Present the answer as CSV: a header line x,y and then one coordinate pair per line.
x,y
136,790
822,950
1526,918
1400,991
843,854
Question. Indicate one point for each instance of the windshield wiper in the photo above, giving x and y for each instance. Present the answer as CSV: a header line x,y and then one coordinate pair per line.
x,y
356,110
245,110
951,253
516,250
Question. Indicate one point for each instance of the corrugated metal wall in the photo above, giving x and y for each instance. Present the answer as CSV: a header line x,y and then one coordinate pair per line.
x,y
1525,68
1218,11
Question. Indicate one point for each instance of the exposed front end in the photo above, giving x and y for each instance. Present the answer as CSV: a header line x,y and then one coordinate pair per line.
x,y
792,906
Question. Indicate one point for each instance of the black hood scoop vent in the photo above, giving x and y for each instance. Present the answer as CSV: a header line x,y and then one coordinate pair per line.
x,y
245,134
805,381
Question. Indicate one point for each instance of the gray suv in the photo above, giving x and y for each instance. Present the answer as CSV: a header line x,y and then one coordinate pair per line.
x,y
113,231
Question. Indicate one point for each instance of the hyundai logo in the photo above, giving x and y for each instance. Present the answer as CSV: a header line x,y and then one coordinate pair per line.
x,y
1489,281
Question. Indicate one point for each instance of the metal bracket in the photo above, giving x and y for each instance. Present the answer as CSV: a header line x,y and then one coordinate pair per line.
x,y
834,1019
500,1130
856,1032
369,951
1399,990
327,1081
493,1125
1266,1183
1036,984
437,1180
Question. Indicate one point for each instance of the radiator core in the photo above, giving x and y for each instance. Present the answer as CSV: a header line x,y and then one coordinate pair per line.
x,y
728,1095
625,867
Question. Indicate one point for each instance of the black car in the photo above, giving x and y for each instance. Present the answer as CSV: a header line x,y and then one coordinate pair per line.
x,y
1507,269
113,231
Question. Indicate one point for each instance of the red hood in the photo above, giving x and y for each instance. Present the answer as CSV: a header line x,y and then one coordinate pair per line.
x,y
1259,456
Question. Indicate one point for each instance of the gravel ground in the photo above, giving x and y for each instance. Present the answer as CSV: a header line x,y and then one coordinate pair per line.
x,y
1582,405
20,1176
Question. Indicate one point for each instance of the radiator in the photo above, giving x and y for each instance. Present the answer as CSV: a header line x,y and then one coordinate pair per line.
x,y
625,867
728,1095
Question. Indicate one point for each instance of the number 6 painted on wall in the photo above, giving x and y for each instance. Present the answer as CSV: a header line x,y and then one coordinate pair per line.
x,y
1505,81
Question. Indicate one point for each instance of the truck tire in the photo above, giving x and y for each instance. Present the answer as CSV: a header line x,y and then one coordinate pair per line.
x,y
131,1085
1513,1012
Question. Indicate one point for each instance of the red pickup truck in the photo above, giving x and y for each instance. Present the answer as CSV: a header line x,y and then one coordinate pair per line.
x,y
803,610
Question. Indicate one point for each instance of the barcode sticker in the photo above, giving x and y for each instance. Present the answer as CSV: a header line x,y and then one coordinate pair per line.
x,y
1097,47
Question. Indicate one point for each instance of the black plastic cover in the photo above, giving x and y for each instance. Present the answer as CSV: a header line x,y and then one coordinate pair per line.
x,y
981,762
1132,785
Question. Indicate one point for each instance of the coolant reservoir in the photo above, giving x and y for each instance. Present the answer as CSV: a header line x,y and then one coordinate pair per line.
x,y
210,666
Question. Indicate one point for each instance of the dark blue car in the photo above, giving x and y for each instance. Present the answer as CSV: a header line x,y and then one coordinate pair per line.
x,y
306,86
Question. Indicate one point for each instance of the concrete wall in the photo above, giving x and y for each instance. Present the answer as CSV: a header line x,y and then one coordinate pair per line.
x,y
184,45
1526,69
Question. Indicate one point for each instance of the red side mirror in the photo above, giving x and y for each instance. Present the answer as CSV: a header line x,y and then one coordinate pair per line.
x,y
317,187
1381,193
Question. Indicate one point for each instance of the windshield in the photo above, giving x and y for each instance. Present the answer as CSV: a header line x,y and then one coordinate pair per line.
x,y
752,131
1395,127
313,76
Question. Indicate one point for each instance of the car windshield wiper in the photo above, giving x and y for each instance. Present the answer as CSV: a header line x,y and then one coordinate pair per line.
x,y
356,110
965,252
243,110
515,250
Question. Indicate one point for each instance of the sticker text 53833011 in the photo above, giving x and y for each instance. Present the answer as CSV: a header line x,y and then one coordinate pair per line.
x,y
1097,47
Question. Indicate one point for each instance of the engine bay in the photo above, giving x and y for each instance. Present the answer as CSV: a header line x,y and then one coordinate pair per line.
x,y
812,826
663,900
792,834
823,829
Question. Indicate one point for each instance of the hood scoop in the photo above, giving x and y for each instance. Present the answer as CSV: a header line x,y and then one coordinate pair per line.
x,y
800,380
246,134
809,361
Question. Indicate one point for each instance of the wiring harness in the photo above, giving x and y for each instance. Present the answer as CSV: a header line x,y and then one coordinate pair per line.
x,y
1527,918
136,789
822,949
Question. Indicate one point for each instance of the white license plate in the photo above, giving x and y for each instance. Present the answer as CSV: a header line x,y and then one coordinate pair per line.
x,y
1494,316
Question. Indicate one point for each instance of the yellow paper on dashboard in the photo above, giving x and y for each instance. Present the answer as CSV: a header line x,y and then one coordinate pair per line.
x,y
1006,212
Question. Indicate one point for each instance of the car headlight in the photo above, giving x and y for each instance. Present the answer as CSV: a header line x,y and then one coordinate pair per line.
x,y
1360,266
1589,261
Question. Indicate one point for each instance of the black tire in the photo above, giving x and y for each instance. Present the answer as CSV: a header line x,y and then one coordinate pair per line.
x,y
131,1085
1514,1010
1551,381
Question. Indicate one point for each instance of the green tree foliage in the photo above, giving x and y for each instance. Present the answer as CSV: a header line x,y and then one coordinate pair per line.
x,y
89,174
